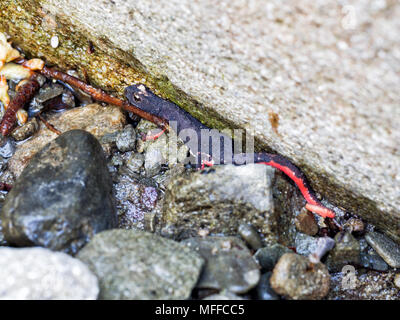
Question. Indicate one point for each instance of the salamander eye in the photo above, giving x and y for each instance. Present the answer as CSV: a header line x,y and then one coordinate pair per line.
x,y
137,97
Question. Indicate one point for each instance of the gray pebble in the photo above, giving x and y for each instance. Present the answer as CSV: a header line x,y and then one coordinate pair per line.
x,y
38,274
135,162
385,247
133,264
229,264
126,139
250,235
268,256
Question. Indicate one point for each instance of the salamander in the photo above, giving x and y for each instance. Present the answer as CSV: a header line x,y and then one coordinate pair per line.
x,y
201,140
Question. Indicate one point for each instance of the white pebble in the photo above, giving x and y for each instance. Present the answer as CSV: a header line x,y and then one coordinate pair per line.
x,y
54,42
397,280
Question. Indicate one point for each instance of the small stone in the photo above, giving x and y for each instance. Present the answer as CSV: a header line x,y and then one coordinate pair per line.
x,y
229,264
126,139
250,235
41,274
135,162
25,131
63,197
345,252
54,42
385,247
7,147
268,256
296,278
355,225
397,280
152,162
264,290
371,260
305,222
305,245
132,264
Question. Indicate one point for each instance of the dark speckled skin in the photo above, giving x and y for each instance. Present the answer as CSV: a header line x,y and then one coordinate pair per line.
x,y
142,97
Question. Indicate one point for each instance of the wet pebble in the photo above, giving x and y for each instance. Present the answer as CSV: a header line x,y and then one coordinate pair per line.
x,y
397,280
354,225
371,260
345,252
385,247
133,264
296,278
268,256
305,223
229,264
41,274
7,147
305,245
25,131
63,197
153,160
220,199
135,162
126,139
250,236
264,290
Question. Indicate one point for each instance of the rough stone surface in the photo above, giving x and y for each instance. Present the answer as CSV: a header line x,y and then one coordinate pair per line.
x,y
369,286
327,70
295,278
132,264
385,247
63,197
229,264
219,200
40,274
93,118
305,245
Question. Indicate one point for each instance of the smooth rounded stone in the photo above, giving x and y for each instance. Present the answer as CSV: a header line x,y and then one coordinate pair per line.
x,y
126,139
345,252
25,131
93,118
296,278
135,162
220,199
385,247
7,147
264,290
250,235
229,264
224,295
397,280
305,222
63,197
305,245
371,260
133,264
41,274
268,256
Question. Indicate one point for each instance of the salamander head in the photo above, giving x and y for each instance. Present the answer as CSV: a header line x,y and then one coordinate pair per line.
x,y
140,96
